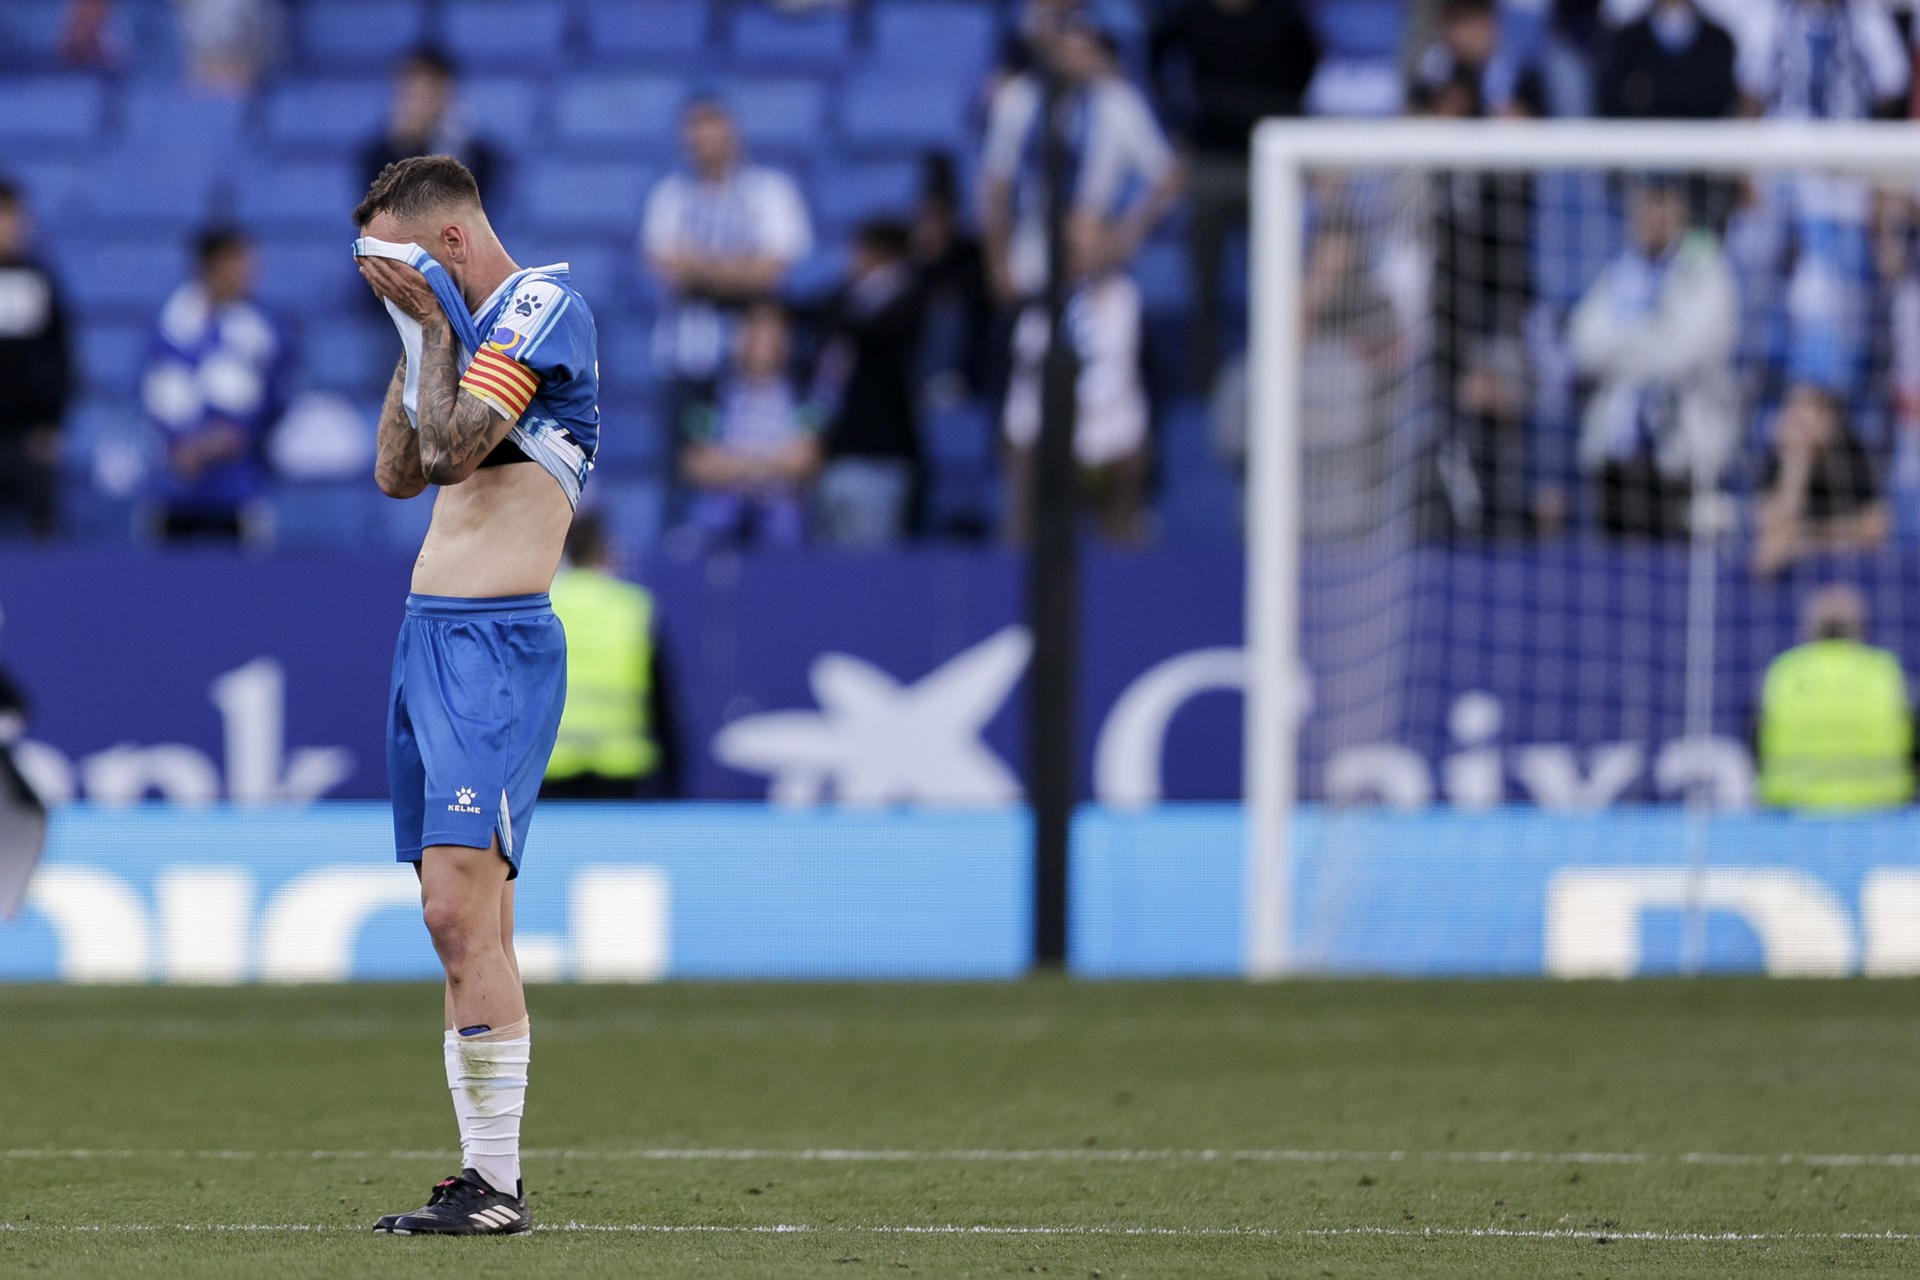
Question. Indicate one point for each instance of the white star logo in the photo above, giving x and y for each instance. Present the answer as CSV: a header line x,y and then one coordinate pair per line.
x,y
875,741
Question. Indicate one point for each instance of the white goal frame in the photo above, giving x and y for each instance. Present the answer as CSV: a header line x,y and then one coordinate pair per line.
x,y
1284,152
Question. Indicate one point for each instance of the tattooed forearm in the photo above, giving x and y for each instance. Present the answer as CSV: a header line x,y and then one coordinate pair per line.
x,y
456,430
396,466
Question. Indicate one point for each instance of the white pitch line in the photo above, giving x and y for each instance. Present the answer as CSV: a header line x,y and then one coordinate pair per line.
x,y
1594,1235
992,1155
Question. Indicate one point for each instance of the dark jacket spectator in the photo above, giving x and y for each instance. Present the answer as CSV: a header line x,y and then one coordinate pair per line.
x,y
1820,493
425,120
35,377
867,379
1673,63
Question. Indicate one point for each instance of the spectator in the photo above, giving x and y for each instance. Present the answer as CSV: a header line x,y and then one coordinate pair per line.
x,y
1475,480
35,377
616,732
750,451
424,119
1110,426
1117,145
1228,64
1820,493
1836,722
1456,68
1823,60
867,377
229,43
1671,63
1656,333
953,285
1552,40
719,237
87,41
213,389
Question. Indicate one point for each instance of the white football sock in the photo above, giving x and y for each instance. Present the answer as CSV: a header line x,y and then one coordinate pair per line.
x,y
487,1075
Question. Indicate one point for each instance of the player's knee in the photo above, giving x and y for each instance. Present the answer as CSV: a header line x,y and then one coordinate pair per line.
x,y
455,927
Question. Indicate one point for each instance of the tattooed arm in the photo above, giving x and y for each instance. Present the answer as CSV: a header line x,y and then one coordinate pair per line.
x,y
396,465
457,428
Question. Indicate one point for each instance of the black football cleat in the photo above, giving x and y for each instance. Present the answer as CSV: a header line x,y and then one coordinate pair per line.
x,y
463,1205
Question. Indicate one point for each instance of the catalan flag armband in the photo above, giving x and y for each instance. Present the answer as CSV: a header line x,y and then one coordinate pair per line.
x,y
500,380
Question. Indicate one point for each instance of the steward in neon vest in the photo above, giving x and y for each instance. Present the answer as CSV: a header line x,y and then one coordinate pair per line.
x,y
1836,725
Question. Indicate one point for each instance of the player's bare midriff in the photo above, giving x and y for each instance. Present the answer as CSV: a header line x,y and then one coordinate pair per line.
x,y
499,532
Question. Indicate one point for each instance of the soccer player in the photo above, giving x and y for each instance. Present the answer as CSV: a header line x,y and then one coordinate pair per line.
x,y
496,402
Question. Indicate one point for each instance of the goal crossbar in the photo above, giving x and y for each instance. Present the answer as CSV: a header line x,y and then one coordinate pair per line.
x,y
1284,151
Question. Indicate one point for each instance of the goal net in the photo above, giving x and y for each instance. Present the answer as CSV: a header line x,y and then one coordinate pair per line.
x,y
1559,434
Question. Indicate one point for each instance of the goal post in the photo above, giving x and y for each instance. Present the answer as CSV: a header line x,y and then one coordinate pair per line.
x,y
1291,159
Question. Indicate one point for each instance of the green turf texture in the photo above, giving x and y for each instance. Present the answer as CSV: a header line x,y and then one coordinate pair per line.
x,y
1311,1082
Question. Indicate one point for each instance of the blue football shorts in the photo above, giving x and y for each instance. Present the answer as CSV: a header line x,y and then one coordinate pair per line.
x,y
471,717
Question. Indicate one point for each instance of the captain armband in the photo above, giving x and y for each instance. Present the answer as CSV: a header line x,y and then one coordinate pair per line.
x,y
501,381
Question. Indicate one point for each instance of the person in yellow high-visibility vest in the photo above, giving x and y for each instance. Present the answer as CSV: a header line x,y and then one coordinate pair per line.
x,y
615,731
1836,723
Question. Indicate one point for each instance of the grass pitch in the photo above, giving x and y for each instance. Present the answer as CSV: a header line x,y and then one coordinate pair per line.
x,y
1713,1128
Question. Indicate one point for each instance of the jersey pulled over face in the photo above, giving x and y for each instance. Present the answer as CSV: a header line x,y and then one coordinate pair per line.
x,y
537,365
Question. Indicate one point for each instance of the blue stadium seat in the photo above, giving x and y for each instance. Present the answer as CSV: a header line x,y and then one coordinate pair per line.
x,y
112,355
305,195
334,115
505,35
356,35
58,191
783,116
620,112
352,351
168,115
507,111
964,37
635,511
166,192
127,277
308,279
633,437
619,30
1161,272
763,37
626,358
30,32
960,440
51,109
846,194
891,111
1361,28
559,198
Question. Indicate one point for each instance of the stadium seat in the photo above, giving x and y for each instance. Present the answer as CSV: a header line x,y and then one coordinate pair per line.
x,y
505,35
784,115
126,277
111,356
624,113
633,435
308,278
886,110
626,358
356,35
965,37
349,353
566,197
762,37
30,32
507,111
659,29
168,115
164,192
635,510
845,195
331,514
332,115
51,109
301,195
1361,28
1161,272
959,440
58,191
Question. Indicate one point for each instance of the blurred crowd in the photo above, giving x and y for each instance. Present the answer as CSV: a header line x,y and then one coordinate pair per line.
x,y
1489,354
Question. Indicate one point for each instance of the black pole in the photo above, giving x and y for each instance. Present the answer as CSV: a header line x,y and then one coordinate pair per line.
x,y
1053,603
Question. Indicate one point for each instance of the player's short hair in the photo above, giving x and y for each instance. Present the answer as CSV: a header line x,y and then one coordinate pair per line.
x,y
217,241
417,185
11,197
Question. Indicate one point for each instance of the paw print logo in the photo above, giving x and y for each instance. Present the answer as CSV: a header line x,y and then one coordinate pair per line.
x,y
464,795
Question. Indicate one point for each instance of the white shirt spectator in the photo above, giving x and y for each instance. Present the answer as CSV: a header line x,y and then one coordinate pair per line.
x,y
1116,148
1808,59
754,212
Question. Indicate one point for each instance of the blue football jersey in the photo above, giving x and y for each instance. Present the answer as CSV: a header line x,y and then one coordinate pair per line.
x,y
537,320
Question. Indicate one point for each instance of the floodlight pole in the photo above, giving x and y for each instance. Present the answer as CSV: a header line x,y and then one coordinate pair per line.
x,y
1053,585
